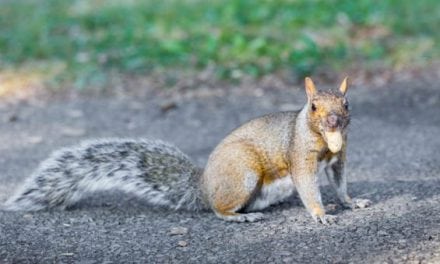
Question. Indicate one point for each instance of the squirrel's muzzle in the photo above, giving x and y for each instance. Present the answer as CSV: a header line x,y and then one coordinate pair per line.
x,y
333,121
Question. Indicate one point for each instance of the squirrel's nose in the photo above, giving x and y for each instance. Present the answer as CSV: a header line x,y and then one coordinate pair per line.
x,y
332,120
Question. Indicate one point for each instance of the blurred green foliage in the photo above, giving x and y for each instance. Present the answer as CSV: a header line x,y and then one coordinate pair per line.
x,y
88,38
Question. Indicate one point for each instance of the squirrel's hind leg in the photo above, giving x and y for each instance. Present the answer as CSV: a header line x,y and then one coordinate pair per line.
x,y
231,181
229,200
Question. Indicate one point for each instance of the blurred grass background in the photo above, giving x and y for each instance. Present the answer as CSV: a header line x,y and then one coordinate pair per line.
x,y
83,41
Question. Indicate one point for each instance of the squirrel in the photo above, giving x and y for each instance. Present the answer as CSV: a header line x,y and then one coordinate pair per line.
x,y
257,165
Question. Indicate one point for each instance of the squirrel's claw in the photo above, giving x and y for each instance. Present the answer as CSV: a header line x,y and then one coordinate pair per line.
x,y
329,219
360,203
326,219
357,203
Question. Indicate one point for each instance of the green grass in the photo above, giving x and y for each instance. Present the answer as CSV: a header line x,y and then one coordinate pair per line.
x,y
84,40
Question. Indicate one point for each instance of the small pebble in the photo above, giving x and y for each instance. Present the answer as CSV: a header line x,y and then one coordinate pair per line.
x,y
13,118
167,106
68,254
382,233
178,231
28,216
182,243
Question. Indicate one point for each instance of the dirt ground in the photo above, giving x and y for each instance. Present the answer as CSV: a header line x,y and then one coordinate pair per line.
x,y
393,159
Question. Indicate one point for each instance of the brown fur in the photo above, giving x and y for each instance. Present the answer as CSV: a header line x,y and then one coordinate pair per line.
x,y
272,147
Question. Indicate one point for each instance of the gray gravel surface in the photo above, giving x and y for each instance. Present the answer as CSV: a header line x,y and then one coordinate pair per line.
x,y
394,160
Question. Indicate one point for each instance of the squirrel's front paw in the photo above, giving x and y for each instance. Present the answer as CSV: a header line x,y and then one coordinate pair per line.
x,y
357,203
326,219
360,203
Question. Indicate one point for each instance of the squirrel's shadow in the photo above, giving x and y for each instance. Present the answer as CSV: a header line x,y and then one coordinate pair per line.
x,y
373,190
368,239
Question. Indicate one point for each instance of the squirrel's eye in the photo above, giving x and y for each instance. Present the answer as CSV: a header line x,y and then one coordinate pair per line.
x,y
346,105
313,107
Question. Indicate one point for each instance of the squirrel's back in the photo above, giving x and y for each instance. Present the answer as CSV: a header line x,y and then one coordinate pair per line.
x,y
270,133
151,169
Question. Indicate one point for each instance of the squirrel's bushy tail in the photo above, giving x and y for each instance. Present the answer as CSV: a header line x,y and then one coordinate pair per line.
x,y
153,170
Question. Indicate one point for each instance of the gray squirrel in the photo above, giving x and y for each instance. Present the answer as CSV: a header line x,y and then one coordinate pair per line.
x,y
258,164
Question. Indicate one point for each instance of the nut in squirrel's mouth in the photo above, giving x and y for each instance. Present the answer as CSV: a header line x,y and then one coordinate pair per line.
x,y
334,140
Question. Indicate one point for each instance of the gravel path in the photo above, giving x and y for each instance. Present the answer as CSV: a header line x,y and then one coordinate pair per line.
x,y
394,160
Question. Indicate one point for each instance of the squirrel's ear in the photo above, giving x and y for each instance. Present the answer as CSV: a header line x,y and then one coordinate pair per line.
x,y
344,86
310,87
